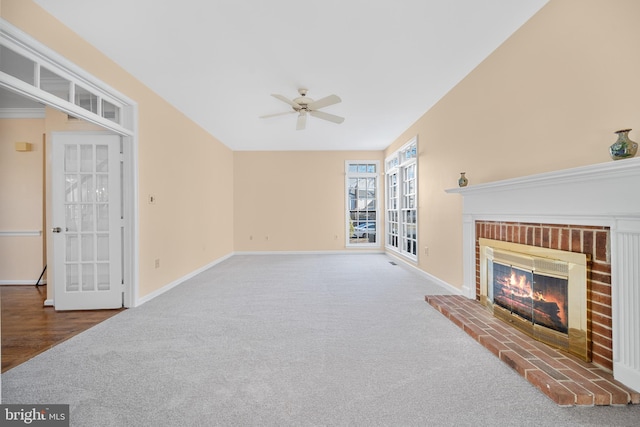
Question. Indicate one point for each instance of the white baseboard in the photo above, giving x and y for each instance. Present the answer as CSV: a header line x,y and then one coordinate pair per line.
x,y
22,282
333,252
152,295
48,303
454,290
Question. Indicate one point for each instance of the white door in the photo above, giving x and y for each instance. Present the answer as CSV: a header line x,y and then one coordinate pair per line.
x,y
86,221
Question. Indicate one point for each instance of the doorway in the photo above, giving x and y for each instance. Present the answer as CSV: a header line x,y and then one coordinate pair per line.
x,y
106,108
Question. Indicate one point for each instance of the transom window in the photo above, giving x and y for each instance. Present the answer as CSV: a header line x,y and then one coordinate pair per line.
x,y
18,62
362,203
401,173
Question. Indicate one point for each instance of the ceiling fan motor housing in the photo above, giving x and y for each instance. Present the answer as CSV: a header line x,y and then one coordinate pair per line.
x,y
303,101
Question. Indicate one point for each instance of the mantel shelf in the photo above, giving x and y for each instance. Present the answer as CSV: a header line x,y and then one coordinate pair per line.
x,y
620,168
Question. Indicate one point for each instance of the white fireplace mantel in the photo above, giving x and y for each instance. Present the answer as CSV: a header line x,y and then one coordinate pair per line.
x,y
606,194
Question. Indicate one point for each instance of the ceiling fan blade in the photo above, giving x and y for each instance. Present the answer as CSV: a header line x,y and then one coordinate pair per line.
x,y
324,102
276,114
287,100
326,116
302,121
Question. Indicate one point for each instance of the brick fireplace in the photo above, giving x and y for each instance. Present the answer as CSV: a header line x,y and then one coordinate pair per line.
x,y
590,240
593,210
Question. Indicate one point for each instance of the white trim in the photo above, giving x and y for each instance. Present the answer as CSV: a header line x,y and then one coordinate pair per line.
x,y
22,113
338,252
48,303
21,233
595,172
23,44
31,92
22,282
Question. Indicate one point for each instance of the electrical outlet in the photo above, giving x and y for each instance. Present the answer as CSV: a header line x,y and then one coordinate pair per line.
x,y
157,263
426,250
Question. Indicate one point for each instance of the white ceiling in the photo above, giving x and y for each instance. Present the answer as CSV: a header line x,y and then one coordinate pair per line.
x,y
218,61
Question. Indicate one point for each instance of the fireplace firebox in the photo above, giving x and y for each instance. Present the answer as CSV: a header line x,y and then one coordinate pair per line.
x,y
542,292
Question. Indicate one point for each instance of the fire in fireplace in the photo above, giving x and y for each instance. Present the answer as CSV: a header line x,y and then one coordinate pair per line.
x,y
538,298
540,291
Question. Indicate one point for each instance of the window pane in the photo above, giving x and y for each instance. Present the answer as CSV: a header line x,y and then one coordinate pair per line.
x,y
70,158
87,247
102,247
104,282
54,84
71,278
110,111
86,99
102,158
88,279
17,65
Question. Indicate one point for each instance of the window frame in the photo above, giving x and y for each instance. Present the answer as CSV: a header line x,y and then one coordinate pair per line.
x,y
118,121
398,186
360,175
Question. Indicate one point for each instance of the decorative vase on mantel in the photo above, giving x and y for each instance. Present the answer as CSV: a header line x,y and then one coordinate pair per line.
x,y
623,148
462,181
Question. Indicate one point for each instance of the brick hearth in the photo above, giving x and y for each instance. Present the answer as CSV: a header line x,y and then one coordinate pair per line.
x,y
564,378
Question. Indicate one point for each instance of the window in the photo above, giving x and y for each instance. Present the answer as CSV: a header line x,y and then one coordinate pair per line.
x,y
401,173
54,84
41,73
86,99
17,65
362,203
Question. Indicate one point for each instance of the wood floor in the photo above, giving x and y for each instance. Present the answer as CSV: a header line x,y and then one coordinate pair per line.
x,y
29,328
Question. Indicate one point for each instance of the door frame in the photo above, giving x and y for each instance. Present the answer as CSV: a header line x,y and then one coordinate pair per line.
x,y
26,45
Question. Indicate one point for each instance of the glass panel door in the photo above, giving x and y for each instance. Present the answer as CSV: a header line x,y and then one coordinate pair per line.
x,y
87,202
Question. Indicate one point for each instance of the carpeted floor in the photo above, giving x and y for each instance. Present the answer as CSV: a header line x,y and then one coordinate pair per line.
x,y
290,340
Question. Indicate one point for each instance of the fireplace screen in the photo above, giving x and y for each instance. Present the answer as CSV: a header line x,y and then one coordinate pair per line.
x,y
538,298
542,292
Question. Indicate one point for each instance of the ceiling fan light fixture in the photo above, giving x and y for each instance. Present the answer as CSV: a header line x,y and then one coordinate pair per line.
x,y
303,105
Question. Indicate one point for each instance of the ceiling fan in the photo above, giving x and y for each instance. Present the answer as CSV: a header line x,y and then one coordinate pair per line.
x,y
306,106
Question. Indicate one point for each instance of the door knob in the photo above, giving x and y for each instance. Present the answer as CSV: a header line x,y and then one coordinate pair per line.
x,y
56,229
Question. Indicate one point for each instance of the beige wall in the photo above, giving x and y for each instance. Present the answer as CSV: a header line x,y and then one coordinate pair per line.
x,y
188,170
292,200
549,98
21,206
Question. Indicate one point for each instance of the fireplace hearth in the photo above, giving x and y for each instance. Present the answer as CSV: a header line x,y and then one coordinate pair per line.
x,y
542,292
